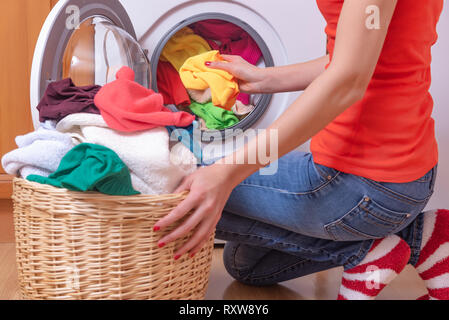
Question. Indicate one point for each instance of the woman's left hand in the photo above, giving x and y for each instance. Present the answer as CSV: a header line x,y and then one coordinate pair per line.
x,y
210,189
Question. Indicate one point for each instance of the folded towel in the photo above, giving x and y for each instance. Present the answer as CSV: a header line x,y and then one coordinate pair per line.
x,y
196,75
90,167
40,153
146,154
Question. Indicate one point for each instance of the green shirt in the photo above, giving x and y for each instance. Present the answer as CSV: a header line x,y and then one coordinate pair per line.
x,y
216,118
90,167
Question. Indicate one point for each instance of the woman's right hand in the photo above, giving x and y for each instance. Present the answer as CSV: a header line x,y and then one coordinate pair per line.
x,y
251,78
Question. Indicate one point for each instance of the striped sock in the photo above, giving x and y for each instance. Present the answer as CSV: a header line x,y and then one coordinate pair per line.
x,y
385,260
433,263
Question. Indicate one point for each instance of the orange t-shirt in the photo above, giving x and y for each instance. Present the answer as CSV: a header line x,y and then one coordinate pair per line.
x,y
389,135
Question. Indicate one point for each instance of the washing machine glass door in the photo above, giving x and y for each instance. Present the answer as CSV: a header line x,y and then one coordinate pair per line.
x,y
87,41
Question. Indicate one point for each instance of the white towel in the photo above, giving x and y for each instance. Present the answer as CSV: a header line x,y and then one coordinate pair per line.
x,y
40,152
154,169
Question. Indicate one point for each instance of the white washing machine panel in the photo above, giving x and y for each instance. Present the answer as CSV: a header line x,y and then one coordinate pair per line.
x,y
289,32
57,32
292,29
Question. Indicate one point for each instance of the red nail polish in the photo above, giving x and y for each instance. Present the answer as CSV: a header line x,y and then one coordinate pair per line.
x,y
161,245
208,63
177,257
156,228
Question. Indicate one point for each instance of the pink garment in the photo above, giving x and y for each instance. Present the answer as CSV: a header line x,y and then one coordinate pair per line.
x,y
127,106
233,40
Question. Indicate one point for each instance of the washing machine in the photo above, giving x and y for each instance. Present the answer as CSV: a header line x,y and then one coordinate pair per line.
x,y
89,40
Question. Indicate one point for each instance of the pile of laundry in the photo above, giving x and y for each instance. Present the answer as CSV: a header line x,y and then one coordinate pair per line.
x,y
112,139
185,81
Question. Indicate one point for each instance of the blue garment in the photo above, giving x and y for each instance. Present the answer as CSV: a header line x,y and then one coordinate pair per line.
x,y
186,136
308,218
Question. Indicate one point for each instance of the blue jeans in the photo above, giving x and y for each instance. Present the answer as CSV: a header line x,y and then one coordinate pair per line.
x,y
308,218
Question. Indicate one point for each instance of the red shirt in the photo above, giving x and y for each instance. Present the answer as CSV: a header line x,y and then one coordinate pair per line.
x,y
389,135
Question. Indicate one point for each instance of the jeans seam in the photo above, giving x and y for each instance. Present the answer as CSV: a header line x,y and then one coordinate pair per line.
x,y
397,223
234,264
357,258
393,194
356,232
293,193
325,175
274,274
277,242
416,243
424,181
413,248
361,254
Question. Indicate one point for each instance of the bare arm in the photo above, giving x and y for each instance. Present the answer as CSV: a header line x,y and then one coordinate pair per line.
x,y
296,77
356,53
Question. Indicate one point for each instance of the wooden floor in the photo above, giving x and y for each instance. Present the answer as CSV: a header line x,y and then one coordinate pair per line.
x,y
320,286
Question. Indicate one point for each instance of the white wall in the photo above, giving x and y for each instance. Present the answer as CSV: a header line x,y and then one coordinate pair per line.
x,y
440,93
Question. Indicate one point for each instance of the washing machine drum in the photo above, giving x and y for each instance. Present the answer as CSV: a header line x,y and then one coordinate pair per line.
x,y
88,41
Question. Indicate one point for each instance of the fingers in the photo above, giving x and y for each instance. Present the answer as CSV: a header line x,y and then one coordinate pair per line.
x,y
179,212
229,57
201,244
203,230
226,66
186,227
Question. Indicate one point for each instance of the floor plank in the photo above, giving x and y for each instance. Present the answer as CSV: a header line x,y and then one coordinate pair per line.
x,y
320,286
6,222
9,288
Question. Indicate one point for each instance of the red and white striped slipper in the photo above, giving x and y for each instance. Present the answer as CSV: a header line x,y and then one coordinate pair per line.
x,y
433,263
384,262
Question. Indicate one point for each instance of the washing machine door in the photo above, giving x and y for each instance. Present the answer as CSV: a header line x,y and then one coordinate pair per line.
x,y
88,41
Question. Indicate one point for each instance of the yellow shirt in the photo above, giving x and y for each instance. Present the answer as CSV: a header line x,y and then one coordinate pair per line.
x,y
197,76
183,45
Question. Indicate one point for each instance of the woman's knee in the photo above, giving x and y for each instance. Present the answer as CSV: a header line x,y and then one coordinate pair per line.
x,y
229,261
240,261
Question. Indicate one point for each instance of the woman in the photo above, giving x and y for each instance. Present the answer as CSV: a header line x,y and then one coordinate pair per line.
x,y
355,200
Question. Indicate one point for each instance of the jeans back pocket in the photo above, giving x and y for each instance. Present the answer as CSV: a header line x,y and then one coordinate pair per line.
x,y
367,220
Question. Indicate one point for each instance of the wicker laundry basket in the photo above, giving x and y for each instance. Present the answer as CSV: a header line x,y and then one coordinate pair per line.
x,y
73,245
